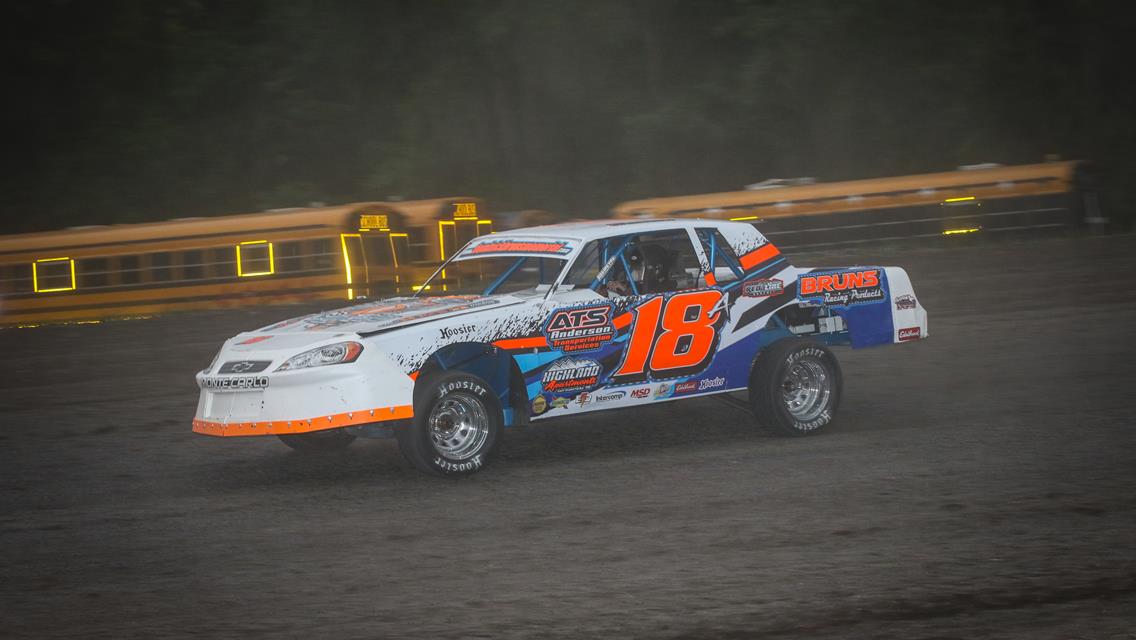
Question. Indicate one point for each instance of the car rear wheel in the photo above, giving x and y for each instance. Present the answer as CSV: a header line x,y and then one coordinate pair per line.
x,y
457,425
795,387
330,440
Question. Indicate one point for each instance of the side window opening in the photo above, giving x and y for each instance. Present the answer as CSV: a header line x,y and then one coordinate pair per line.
x,y
638,264
725,265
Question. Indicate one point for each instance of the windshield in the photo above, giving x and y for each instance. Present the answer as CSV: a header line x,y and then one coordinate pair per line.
x,y
496,274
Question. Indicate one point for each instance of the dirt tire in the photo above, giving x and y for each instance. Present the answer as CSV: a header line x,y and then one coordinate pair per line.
x,y
795,387
457,425
319,441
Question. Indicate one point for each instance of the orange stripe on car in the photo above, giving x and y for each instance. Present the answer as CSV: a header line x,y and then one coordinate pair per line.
x,y
307,425
622,320
522,343
759,255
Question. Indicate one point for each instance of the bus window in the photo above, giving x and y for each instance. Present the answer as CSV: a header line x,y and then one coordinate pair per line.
x,y
421,249
53,274
321,254
453,235
160,269
221,263
289,258
92,273
400,245
254,258
191,264
378,250
129,270
16,278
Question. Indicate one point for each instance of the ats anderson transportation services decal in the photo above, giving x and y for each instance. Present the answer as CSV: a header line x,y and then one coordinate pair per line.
x,y
578,329
841,288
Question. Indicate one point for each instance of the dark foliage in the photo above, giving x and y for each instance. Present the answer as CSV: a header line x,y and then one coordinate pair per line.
x,y
129,110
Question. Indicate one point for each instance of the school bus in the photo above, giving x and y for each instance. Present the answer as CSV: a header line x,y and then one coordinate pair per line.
x,y
988,198
343,252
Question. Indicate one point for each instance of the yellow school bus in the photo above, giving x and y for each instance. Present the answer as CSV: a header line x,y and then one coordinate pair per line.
x,y
343,252
989,198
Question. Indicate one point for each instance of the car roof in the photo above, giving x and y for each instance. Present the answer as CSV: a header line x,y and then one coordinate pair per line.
x,y
586,230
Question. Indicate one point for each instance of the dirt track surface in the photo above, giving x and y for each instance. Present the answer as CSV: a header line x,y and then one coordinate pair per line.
x,y
978,484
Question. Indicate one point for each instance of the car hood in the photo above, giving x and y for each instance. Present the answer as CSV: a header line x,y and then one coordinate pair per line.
x,y
381,315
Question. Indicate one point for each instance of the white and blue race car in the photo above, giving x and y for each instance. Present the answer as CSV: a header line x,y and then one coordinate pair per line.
x,y
559,320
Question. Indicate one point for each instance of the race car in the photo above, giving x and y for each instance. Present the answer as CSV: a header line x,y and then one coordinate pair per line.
x,y
553,321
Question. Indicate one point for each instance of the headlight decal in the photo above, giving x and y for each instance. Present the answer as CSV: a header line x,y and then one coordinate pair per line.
x,y
338,353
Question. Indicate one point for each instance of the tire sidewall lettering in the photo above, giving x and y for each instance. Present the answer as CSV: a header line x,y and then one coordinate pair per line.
x,y
450,466
461,385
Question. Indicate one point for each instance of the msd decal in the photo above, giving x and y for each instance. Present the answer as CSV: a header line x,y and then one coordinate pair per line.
x,y
841,288
579,329
571,374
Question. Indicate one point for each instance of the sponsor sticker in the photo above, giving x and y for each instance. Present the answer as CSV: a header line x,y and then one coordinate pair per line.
x,y
236,383
642,392
539,405
686,387
579,329
571,374
842,288
707,384
458,331
505,245
583,399
905,301
244,366
763,287
664,390
559,403
910,333
610,396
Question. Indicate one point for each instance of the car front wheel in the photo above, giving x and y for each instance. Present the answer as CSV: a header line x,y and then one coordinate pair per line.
x,y
457,425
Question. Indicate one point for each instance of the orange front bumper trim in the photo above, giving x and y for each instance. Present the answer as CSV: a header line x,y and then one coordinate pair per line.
x,y
307,425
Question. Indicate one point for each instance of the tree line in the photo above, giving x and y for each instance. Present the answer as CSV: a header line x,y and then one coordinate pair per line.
x,y
125,110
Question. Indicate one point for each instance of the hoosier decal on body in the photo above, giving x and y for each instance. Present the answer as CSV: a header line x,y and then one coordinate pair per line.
x,y
842,288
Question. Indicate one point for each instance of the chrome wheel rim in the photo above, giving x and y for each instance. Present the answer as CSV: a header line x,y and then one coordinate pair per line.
x,y
806,390
459,426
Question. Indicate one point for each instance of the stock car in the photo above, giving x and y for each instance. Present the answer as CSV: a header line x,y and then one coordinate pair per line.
x,y
545,322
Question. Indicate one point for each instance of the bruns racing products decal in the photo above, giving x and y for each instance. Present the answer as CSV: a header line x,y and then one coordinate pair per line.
x,y
505,245
763,287
571,374
579,329
239,383
843,288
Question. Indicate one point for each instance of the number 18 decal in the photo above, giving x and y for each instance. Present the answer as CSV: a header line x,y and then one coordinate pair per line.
x,y
672,336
